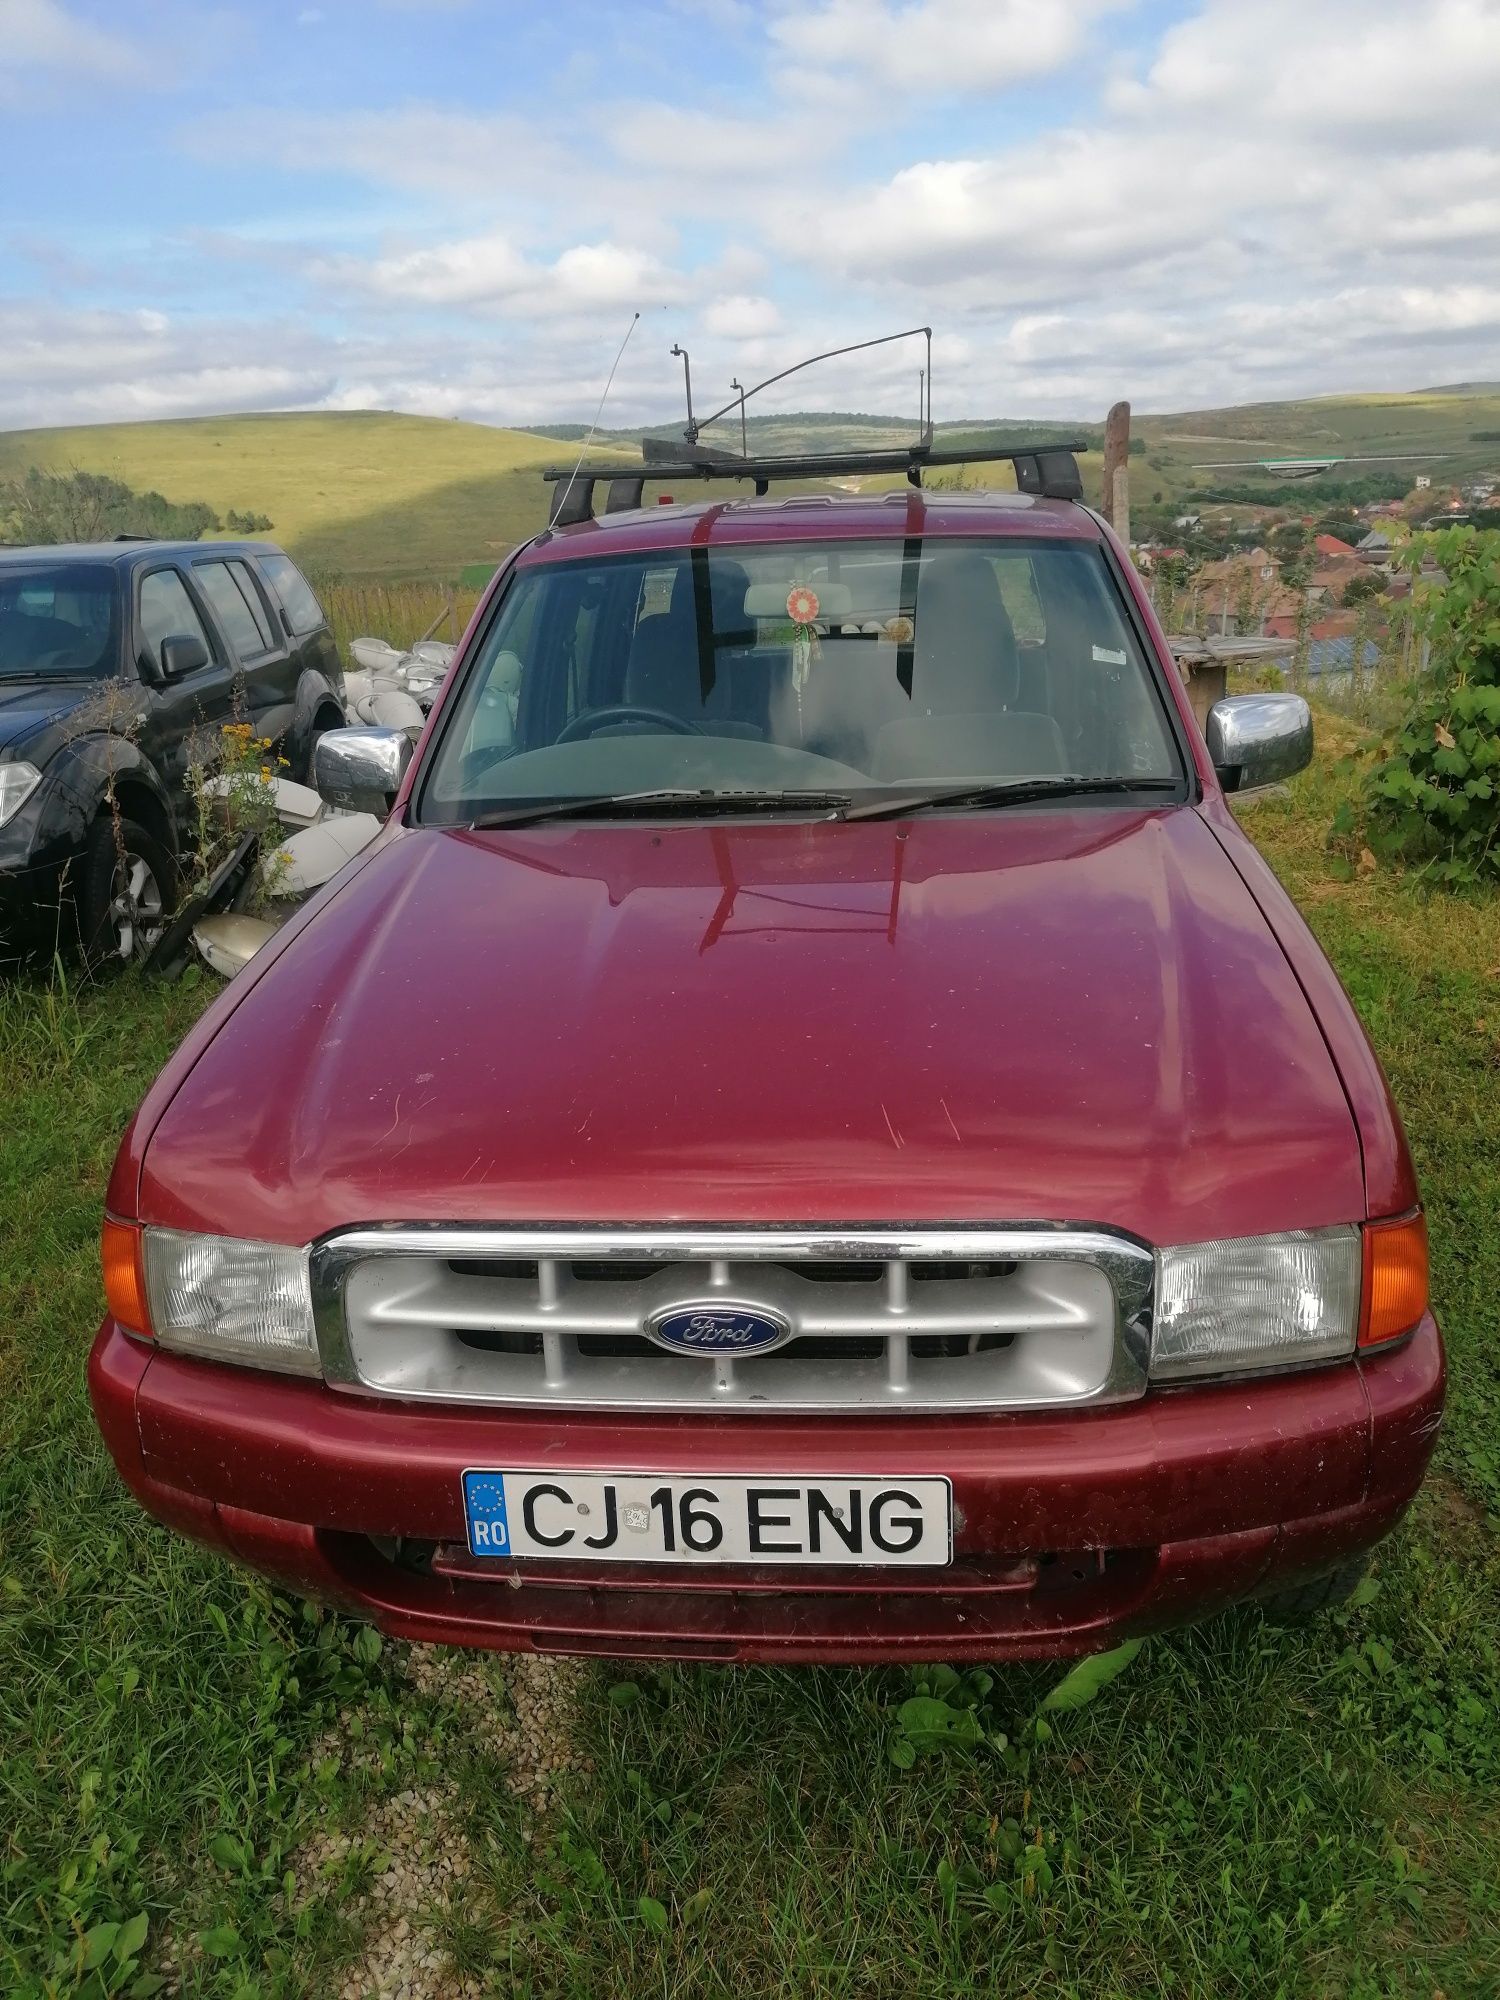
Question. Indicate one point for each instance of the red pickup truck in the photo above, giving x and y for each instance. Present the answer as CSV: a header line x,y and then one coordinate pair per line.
x,y
811,1135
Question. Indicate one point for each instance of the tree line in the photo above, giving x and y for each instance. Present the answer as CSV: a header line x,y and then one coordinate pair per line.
x,y
78,506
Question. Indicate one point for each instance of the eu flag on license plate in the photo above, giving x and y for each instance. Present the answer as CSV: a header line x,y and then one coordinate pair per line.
x,y
484,1508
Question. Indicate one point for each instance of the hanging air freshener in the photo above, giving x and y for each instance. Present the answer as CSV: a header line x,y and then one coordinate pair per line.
x,y
802,609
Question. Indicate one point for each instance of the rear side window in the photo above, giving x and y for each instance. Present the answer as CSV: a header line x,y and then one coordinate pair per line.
x,y
167,612
303,611
227,601
250,591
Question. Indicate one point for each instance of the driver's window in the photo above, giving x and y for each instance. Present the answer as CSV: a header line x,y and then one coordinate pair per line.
x,y
167,612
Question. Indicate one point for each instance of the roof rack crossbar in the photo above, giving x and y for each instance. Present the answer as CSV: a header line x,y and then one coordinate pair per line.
x,y
1047,470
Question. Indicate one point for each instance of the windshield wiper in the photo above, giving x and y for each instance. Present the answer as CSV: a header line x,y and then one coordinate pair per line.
x,y
1015,792
673,802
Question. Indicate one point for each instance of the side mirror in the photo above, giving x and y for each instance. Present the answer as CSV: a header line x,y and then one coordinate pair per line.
x,y
1259,739
361,769
183,653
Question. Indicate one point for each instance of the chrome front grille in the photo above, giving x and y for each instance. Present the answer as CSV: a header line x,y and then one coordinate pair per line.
x,y
920,1320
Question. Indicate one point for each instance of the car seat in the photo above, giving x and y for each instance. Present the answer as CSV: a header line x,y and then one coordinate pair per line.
x,y
663,671
965,678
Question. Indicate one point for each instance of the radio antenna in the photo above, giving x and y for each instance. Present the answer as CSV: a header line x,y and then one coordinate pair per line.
x,y
588,436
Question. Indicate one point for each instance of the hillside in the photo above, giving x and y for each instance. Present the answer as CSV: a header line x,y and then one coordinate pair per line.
x,y
367,493
371,494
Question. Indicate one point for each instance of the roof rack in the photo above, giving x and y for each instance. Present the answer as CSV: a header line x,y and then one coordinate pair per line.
x,y
1048,470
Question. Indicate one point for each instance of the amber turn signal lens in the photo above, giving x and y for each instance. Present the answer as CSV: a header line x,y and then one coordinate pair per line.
x,y
124,1278
1395,1281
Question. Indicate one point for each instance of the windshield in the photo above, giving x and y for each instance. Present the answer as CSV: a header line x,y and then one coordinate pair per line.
x,y
810,668
57,621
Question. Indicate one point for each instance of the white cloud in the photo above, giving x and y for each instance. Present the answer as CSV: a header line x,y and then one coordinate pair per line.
x,y
67,366
688,141
741,316
490,271
931,45
1338,68
42,34
433,149
1223,179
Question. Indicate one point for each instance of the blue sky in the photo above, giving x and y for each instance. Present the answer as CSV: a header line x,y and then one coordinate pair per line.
x,y
454,206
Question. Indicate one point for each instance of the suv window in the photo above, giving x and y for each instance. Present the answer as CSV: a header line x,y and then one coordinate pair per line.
x,y
58,620
803,666
167,611
248,635
303,612
255,599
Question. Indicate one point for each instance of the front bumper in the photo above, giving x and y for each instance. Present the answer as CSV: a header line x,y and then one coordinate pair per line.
x,y
1074,1529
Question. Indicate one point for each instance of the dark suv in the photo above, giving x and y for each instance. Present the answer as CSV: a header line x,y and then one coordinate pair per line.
x,y
120,663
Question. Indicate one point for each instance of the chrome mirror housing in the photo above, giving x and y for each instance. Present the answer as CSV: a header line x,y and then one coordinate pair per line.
x,y
361,769
1259,739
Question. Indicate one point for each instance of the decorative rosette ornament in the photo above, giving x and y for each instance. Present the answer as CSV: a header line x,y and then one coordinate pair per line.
x,y
802,609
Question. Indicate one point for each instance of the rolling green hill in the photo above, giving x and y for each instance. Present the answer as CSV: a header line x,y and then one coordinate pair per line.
x,y
366,493
370,494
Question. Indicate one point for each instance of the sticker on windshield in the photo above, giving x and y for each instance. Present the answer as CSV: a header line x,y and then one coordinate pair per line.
x,y
1107,656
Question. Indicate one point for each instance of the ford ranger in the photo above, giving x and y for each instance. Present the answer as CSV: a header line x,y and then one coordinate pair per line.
x,y
811,1134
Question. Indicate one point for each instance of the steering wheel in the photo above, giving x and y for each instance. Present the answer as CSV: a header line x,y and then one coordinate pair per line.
x,y
594,719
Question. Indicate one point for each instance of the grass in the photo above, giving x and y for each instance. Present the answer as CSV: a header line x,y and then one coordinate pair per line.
x,y
368,493
401,613
1244,1811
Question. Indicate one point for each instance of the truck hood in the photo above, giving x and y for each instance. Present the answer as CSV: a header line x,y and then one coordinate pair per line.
x,y
1014,1016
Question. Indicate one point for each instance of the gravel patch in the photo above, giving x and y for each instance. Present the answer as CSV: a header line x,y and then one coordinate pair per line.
x,y
425,1861
538,1740
531,1729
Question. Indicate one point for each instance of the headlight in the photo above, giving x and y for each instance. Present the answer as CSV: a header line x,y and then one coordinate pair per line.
x,y
233,1300
17,783
1252,1302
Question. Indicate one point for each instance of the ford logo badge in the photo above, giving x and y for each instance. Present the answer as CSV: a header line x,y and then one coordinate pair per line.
x,y
718,1329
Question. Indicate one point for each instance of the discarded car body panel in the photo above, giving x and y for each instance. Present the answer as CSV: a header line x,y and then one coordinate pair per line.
x,y
314,855
229,943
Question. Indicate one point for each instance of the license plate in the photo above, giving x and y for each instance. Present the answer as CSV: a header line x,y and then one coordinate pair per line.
x,y
640,1517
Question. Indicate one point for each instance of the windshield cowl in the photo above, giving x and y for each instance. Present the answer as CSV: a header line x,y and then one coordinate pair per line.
x,y
684,804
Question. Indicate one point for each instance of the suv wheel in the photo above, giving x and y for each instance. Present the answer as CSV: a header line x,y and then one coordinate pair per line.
x,y
126,889
1303,1602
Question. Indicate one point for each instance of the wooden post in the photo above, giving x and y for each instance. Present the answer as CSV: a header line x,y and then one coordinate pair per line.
x,y
1117,471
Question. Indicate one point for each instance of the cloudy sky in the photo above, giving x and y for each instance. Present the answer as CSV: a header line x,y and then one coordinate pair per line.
x,y
454,206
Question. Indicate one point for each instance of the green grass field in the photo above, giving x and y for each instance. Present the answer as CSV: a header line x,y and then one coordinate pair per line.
x,y
368,494
374,496
208,1784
